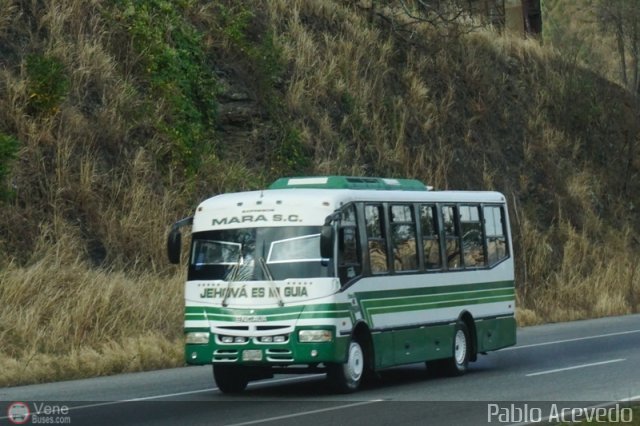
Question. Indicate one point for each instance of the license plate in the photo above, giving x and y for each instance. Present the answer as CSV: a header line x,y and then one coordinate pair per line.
x,y
252,355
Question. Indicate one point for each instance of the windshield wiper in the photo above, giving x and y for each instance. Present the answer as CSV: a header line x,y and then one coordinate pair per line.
x,y
267,273
233,275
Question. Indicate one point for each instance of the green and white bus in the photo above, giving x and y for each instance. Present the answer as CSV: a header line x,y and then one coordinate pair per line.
x,y
345,275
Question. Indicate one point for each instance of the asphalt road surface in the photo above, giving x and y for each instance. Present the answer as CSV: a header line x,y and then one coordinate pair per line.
x,y
555,370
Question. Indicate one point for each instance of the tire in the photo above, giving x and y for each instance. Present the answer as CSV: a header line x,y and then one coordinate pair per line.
x,y
458,364
347,377
230,378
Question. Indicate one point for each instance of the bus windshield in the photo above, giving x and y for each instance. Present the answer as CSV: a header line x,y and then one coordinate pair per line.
x,y
237,254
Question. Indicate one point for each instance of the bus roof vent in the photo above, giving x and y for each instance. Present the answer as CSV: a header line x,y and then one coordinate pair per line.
x,y
350,182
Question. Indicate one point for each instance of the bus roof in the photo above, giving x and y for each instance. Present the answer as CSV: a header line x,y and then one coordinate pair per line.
x,y
310,207
350,182
337,197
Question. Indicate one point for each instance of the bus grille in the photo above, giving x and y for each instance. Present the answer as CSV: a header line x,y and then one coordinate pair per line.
x,y
271,327
279,355
225,355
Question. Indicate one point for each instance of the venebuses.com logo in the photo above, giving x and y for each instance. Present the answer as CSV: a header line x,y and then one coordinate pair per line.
x,y
20,413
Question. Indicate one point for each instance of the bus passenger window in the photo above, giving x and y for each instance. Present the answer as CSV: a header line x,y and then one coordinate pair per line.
x,y
495,234
452,237
472,237
403,234
376,242
430,238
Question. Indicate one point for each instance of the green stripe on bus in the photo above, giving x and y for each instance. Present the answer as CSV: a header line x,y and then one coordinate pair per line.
x,y
292,310
215,317
373,303
435,305
377,302
406,292
330,310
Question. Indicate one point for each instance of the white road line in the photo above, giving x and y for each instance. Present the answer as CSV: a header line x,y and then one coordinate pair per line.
x,y
303,378
168,395
630,399
593,364
599,336
124,401
305,413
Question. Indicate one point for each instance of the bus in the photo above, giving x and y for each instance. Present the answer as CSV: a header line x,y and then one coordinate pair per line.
x,y
345,276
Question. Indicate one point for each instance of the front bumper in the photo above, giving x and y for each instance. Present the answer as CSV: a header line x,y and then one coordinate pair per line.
x,y
253,350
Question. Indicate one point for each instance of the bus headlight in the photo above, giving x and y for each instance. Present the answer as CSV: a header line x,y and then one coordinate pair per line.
x,y
314,336
272,339
197,338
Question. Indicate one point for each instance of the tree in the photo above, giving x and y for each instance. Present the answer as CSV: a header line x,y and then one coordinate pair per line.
x,y
620,18
454,17
532,14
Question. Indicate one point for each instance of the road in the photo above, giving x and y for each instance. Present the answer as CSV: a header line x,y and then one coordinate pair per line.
x,y
576,364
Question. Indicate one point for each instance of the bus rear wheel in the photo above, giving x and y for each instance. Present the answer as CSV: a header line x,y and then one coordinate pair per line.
x,y
458,363
347,377
230,378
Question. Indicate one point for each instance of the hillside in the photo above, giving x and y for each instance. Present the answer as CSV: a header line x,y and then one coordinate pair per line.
x,y
118,117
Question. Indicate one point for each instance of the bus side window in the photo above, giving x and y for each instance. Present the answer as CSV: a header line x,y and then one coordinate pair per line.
x,y
430,237
472,236
376,242
348,248
452,237
403,235
495,234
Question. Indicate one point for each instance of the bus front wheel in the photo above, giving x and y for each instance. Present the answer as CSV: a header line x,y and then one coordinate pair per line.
x,y
347,377
230,378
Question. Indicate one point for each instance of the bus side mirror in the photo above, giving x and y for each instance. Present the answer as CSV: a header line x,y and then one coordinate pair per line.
x,y
326,242
174,244
174,241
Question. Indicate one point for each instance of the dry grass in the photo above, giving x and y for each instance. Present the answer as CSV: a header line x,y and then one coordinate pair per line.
x,y
85,287
63,319
489,106
354,72
594,280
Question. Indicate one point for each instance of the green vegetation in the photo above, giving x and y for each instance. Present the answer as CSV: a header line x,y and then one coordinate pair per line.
x,y
47,84
284,152
117,117
8,150
173,69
